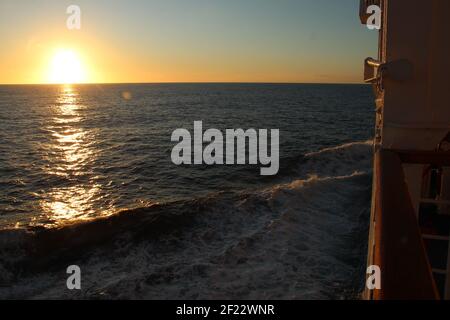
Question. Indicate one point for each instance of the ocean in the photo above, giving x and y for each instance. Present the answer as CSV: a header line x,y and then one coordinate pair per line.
x,y
86,179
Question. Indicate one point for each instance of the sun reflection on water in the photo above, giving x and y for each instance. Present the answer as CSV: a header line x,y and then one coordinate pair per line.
x,y
71,153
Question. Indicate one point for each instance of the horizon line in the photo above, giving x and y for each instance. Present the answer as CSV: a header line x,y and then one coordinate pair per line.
x,y
179,82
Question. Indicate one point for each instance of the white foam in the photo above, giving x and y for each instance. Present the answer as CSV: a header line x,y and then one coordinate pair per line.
x,y
298,239
340,148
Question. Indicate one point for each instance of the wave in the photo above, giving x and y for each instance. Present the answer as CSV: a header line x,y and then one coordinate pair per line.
x,y
299,239
351,149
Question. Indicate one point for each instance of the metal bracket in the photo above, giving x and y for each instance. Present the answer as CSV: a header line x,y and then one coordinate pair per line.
x,y
375,71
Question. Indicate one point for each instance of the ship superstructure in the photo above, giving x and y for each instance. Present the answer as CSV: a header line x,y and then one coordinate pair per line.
x,y
410,220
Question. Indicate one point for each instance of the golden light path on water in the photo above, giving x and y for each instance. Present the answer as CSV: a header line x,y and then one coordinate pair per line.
x,y
72,151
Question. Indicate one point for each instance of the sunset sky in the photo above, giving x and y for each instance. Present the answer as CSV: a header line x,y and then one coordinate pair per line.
x,y
185,41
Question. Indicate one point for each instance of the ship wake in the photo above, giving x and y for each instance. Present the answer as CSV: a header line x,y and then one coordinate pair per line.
x,y
303,238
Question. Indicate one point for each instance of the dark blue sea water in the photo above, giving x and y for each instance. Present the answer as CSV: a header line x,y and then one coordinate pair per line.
x,y
86,178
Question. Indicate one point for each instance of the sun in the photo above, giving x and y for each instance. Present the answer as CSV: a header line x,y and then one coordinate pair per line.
x,y
66,67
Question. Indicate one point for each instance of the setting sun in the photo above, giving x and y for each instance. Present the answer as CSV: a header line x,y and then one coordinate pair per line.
x,y
66,67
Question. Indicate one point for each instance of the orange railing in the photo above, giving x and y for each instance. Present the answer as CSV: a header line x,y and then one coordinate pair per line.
x,y
398,246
